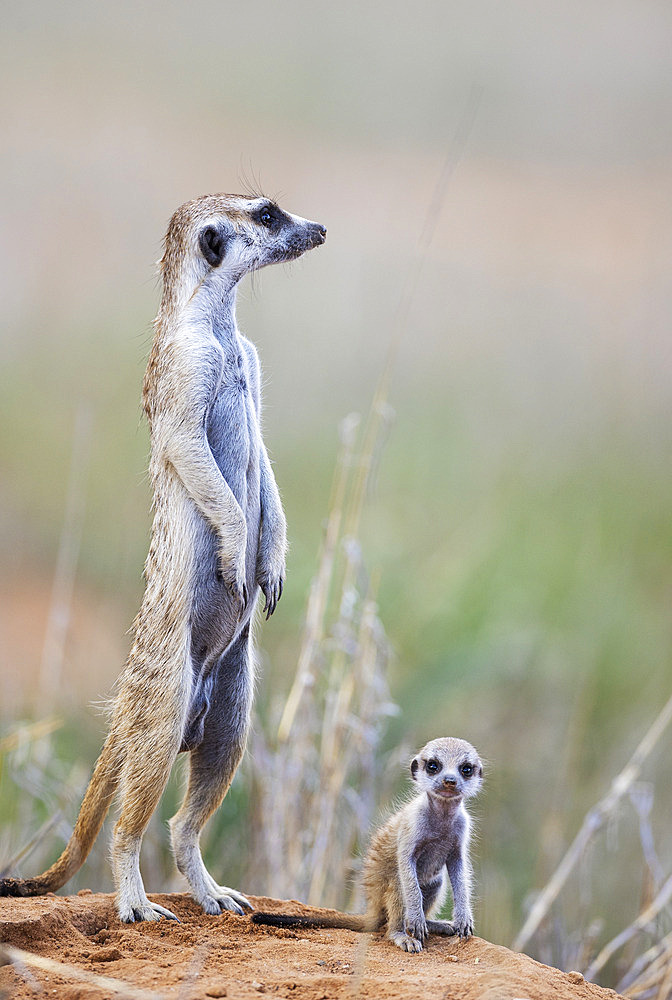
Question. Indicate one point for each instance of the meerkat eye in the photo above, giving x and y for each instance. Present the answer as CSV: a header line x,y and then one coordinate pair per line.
x,y
432,766
265,217
467,770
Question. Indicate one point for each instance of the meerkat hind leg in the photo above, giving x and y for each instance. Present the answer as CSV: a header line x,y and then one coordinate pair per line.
x,y
139,796
132,902
212,767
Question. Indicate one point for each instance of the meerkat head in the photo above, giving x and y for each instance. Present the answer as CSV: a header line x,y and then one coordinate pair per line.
x,y
448,769
220,237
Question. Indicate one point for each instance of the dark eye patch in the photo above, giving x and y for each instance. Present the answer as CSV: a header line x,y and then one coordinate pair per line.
x,y
432,766
270,217
467,769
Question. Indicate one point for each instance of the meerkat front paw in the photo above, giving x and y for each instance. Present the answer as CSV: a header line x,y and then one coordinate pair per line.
x,y
406,942
271,578
463,924
271,588
232,575
416,927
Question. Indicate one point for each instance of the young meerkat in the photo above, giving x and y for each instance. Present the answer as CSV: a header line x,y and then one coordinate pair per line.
x,y
218,537
411,858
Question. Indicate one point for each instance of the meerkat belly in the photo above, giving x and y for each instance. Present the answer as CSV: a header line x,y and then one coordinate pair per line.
x,y
233,435
430,861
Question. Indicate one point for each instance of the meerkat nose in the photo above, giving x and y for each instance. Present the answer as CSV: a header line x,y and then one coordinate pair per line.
x,y
450,779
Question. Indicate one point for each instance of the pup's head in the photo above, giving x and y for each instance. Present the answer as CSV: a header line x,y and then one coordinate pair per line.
x,y
223,236
448,768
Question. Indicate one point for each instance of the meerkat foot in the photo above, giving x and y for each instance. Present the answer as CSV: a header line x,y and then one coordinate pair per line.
x,y
132,903
214,898
225,899
406,942
221,897
142,909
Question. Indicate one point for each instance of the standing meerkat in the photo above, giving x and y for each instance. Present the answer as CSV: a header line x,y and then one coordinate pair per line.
x,y
218,537
405,868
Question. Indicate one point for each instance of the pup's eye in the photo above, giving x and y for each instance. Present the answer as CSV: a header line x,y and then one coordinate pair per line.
x,y
467,770
432,766
265,217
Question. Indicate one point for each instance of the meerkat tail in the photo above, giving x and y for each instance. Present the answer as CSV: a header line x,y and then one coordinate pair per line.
x,y
346,921
97,800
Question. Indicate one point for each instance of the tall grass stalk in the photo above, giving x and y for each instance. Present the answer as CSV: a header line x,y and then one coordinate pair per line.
x,y
313,788
648,970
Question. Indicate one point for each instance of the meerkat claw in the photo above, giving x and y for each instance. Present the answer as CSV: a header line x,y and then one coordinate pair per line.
x,y
417,929
149,912
406,942
272,594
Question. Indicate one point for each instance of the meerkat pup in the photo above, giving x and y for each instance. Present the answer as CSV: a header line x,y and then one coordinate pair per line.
x,y
412,857
218,538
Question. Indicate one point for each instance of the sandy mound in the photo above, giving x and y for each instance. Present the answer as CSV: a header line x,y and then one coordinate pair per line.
x,y
227,956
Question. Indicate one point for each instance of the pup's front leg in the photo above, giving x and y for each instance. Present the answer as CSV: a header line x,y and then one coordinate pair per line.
x,y
459,872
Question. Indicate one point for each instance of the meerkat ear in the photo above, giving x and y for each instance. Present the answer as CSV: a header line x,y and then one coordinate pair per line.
x,y
414,768
213,245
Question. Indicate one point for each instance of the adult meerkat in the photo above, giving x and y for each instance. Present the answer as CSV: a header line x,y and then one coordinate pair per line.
x,y
218,537
405,868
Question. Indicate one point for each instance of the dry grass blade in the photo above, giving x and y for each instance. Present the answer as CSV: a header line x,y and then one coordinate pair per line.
x,y
636,978
16,956
29,733
594,820
34,842
320,587
641,923
58,620
651,975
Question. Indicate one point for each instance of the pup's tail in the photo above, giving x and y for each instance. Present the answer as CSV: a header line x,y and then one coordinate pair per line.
x,y
341,921
97,800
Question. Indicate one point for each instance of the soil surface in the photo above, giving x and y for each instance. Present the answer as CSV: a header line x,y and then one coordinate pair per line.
x,y
227,956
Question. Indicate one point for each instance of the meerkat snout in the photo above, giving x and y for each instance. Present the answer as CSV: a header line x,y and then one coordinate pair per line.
x,y
319,234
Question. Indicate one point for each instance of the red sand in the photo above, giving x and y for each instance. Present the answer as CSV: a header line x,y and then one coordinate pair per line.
x,y
206,957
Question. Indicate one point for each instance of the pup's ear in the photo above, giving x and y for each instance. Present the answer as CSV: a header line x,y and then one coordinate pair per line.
x,y
213,245
414,768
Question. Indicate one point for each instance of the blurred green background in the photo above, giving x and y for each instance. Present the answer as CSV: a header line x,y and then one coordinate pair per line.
x,y
521,521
